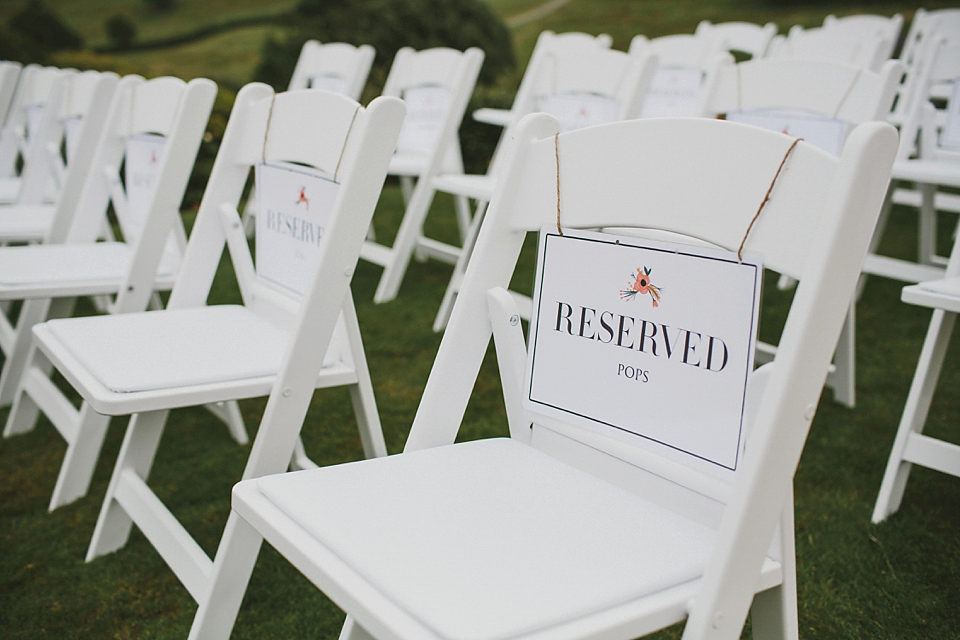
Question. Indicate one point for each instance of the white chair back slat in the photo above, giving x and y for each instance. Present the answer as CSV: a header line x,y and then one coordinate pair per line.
x,y
335,66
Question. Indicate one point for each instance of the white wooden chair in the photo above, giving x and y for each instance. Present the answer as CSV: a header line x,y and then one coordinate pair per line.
x,y
65,124
333,66
866,24
742,37
536,78
49,277
440,81
20,142
868,49
911,446
613,85
828,98
545,534
935,166
684,62
269,345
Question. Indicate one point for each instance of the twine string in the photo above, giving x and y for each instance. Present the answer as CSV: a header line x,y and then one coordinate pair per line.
x,y
766,197
346,138
556,153
266,131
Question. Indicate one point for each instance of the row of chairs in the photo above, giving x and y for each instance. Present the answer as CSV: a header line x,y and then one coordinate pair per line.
x,y
73,345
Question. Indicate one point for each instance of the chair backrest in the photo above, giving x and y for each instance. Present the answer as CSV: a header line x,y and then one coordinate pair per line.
x,y
705,179
538,79
742,37
924,126
833,90
924,25
334,66
865,24
436,84
274,129
678,50
867,50
35,88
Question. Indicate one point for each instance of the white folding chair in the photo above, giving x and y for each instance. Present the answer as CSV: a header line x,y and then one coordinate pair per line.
x,y
820,101
9,76
20,142
191,353
868,49
536,77
560,531
937,165
164,118
742,37
587,85
437,85
684,62
866,24
65,124
333,66
911,446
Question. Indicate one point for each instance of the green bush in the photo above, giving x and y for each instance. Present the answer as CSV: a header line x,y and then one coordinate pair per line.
x,y
388,25
38,25
121,31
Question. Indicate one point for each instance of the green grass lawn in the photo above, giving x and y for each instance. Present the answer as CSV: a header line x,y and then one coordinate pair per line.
x,y
897,580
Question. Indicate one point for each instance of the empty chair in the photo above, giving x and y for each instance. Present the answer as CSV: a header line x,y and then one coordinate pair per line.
x,y
817,100
741,37
436,84
864,24
191,353
64,124
564,531
155,128
868,50
586,86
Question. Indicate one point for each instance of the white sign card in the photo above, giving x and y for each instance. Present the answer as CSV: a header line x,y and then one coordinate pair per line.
x,y
950,135
328,82
674,92
579,110
141,169
426,108
648,342
293,211
820,131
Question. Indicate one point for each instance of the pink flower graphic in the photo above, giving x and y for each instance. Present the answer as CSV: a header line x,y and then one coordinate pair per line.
x,y
641,284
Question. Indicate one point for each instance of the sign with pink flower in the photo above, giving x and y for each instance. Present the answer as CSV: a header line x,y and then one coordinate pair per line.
x,y
645,341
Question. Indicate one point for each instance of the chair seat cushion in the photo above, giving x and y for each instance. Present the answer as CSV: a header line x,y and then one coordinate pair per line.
x,y
931,171
491,539
72,263
938,294
173,348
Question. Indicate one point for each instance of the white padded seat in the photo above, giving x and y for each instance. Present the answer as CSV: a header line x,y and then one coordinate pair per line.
x,y
31,267
418,507
191,346
936,294
25,223
928,171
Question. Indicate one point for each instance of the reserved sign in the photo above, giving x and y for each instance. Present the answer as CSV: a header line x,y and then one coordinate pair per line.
x,y
820,131
649,342
426,108
579,110
141,168
293,211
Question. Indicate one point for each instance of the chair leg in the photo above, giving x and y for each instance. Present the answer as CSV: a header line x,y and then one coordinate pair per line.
x,y
915,412
137,453
843,378
450,295
81,457
877,233
232,567
17,360
927,238
361,393
229,413
25,409
405,242
353,631
774,612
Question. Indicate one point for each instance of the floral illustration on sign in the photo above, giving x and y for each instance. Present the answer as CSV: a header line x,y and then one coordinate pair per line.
x,y
641,284
303,198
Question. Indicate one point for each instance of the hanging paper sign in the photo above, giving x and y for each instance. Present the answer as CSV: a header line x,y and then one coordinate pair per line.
x,y
71,135
328,82
648,342
141,168
426,109
579,110
950,135
673,92
820,131
293,211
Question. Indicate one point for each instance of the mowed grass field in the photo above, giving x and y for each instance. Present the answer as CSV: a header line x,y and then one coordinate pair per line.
x,y
898,580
